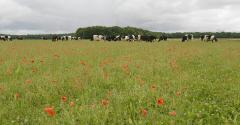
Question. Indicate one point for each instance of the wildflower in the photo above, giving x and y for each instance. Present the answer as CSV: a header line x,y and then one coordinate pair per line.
x,y
83,63
17,95
174,64
105,102
178,93
50,111
173,113
160,101
64,98
72,104
28,81
105,75
126,69
56,56
125,66
32,61
144,112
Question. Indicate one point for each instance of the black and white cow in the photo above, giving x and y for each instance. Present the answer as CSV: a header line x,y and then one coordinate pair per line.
x,y
132,38
207,38
187,37
76,38
118,38
190,36
212,38
2,38
8,38
163,37
44,38
55,38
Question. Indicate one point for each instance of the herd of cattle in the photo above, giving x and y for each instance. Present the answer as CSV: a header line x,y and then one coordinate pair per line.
x,y
130,38
185,38
63,38
6,38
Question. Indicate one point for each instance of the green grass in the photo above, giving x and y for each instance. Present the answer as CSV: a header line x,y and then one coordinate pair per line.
x,y
199,81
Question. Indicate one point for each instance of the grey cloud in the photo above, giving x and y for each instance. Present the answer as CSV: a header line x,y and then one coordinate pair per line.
x,y
53,16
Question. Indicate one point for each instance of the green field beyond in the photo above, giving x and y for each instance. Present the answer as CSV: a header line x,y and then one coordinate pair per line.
x,y
119,83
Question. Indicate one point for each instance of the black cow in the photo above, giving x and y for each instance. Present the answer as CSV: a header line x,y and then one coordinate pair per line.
x,y
202,37
148,38
19,38
110,38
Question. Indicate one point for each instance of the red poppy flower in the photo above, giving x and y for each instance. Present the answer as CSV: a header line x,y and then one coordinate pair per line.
x,y
125,66
83,63
105,102
144,112
50,111
178,93
64,98
17,95
173,113
160,101
33,61
72,104
28,81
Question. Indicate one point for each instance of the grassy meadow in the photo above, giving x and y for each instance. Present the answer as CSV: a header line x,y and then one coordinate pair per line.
x,y
119,83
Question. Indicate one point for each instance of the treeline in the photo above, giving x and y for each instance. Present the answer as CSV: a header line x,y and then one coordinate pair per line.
x,y
88,32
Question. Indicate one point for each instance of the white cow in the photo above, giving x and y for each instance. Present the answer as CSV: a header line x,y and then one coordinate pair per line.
x,y
69,37
126,38
139,37
98,37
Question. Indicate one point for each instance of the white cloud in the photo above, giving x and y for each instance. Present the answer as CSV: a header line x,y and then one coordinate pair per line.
x,y
52,16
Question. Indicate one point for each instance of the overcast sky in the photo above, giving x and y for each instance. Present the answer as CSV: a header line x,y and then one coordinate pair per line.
x,y
58,16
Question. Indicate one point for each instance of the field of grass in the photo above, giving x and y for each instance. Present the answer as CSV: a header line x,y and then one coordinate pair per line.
x,y
120,83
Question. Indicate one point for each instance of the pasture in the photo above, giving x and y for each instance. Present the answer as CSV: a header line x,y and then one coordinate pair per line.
x,y
120,83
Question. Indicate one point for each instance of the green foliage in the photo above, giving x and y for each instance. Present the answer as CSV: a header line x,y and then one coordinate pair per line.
x,y
88,32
